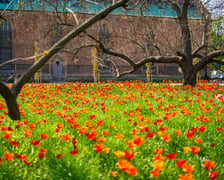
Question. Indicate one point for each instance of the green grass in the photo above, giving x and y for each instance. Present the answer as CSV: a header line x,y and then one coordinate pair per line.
x,y
147,107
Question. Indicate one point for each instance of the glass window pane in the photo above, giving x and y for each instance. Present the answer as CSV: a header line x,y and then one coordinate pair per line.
x,y
5,44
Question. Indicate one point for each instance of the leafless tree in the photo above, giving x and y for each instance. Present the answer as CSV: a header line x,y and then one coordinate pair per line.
x,y
10,95
216,7
183,55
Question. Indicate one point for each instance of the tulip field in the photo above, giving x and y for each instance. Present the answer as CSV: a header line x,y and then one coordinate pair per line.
x,y
114,130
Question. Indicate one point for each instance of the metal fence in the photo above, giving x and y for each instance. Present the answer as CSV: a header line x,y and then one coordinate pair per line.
x,y
80,70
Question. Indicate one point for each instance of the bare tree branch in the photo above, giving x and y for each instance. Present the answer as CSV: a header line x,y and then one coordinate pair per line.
x,y
198,56
7,7
79,49
11,94
217,61
60,44
182,54
198,49
175,7
155,59
160,59
207,59
157,48
136,3
19,59
74,15
135,66
132,40
122,56
126,72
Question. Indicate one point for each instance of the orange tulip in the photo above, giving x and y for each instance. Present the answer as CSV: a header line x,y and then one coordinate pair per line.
x,y
9,156
209,164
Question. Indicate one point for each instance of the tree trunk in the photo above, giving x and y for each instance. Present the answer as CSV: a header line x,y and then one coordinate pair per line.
x,y
10,94
10,98
189,77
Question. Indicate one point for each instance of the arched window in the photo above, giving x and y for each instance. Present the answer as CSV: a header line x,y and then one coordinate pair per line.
x,y
104,38
56,34
5,44
104,35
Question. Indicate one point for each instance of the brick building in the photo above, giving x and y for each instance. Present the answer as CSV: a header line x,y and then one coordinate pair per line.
x,y
128,32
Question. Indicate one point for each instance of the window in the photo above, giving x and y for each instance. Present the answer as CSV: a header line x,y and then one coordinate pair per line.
x,y
56,34
148,40
104,37
5,44
4,1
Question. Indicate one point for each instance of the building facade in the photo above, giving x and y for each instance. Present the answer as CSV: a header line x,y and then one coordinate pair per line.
x,y
150,26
